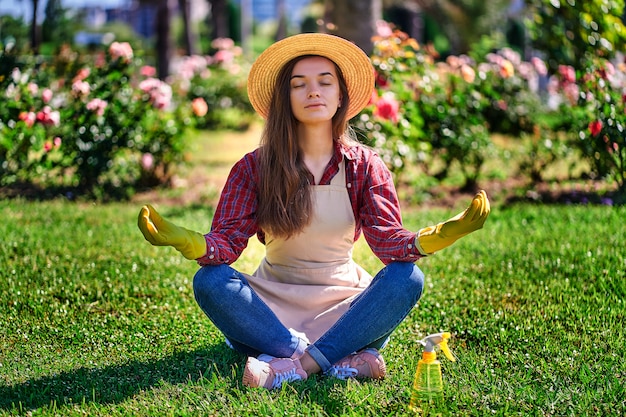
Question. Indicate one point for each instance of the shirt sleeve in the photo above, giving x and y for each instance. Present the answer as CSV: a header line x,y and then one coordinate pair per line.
x,y
380,217
234,221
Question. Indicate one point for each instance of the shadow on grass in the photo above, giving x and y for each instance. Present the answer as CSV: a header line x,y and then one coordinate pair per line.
x,y
569,197
114,384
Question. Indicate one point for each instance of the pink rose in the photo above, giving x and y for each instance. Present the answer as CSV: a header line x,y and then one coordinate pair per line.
x,y
122,51
97,106
387,108
595,127
223,56
46,95
82,74
81,88
540,66
160,93
47,117
383,29
148,71
28,118
33,88
147,161
568,73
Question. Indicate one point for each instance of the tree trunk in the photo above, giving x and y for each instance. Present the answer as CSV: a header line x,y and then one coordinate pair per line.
x,y
163,43
219,19
354,20
34,29
188,34
452,21
281,31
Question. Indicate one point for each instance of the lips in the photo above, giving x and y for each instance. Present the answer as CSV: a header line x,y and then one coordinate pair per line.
x,y
314,105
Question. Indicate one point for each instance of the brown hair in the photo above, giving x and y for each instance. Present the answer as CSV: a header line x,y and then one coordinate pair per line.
x,y
284,199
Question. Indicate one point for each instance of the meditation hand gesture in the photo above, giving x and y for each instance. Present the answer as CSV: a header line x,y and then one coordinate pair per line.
x,y
161,232
434,238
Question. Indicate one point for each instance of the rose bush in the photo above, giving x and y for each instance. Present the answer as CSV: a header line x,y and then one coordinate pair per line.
x,y
424,112
219,82
435,113
602,139
93,128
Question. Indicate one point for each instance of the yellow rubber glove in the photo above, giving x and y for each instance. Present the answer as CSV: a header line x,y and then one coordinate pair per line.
x,y
161,232
434,238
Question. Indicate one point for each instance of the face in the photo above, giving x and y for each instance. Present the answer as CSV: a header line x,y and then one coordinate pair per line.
x,y
314,90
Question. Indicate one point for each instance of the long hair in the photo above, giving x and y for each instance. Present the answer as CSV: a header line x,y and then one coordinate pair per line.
x,y
284,199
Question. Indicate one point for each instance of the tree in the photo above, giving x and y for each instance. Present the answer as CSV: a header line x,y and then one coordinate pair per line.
x,y
571,32
354,20
219,19
163,42
189,38
56,28
34,29
465,22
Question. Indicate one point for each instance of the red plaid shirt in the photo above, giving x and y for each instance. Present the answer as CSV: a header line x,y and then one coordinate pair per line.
x,y
371,191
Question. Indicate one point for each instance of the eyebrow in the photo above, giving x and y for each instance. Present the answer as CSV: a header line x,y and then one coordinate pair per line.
x,y
321,74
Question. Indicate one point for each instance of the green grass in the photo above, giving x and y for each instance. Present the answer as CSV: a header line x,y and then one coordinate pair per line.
x,y
95,321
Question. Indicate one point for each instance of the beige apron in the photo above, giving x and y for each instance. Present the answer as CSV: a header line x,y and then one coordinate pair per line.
x,y
310,279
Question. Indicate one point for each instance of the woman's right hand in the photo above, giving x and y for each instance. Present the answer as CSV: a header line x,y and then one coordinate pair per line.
x,y
161,232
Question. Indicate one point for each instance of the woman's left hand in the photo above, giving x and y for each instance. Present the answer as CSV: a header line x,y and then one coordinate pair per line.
x,y
434,238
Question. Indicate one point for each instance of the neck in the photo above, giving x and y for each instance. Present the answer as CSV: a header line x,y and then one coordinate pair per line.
x,y
317,148
315,141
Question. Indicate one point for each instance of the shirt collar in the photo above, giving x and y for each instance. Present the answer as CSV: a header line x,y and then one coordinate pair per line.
x,y
345,151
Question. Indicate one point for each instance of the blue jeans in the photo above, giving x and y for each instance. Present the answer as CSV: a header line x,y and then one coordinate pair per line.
x,y
252,328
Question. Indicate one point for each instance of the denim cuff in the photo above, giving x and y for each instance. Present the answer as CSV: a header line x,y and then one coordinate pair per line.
x,y
319,358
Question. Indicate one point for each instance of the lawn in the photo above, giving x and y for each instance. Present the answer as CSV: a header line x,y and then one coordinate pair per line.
x,y
95,321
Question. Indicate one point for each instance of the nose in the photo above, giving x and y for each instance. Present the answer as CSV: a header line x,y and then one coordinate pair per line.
x,y
313,93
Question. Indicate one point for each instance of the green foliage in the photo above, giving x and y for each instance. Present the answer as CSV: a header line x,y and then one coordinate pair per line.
x,y
571,32
56,27
98,322
14,34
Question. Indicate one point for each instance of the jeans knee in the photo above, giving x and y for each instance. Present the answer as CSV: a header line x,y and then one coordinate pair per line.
x,y
408,277
206,279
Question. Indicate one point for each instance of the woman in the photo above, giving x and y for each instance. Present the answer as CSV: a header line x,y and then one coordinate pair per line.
x,y
308,192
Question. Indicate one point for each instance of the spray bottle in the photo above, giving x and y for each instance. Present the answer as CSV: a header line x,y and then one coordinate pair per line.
x,y
428,384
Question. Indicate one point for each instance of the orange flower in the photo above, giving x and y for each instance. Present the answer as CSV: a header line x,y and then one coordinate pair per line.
x,y
199,107
468,74
507,70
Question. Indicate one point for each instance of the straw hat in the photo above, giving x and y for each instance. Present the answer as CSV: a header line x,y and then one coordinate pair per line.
x,y
355,66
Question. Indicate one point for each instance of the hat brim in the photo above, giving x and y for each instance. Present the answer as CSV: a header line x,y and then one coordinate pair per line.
x,y
354,64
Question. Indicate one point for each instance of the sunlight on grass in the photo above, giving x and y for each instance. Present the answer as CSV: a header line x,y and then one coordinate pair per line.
x,y
98,322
